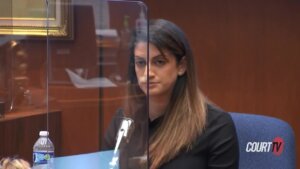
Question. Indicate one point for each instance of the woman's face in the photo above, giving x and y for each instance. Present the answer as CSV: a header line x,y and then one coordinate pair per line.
x,y
163,70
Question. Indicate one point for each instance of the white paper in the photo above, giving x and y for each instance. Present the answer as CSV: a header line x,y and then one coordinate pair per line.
x,y
80,82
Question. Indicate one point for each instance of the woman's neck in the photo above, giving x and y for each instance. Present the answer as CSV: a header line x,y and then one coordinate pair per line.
x,y
157,107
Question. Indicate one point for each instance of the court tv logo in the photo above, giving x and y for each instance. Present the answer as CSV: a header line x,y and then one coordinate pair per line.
x,y
276,146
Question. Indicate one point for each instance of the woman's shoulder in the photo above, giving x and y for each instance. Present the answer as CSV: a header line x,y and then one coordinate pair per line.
x,y
217,116
223,145
109,138
219,137
219,127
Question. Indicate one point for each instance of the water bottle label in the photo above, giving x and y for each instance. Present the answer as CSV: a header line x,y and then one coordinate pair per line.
x,y
42,157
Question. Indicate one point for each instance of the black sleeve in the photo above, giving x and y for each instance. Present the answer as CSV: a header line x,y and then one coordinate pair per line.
x,y
109,140
223,145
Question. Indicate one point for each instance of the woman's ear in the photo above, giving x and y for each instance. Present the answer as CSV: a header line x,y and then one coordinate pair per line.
x,y
182,66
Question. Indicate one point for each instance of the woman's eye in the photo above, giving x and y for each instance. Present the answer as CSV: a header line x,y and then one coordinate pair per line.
x,y
160,62
140,63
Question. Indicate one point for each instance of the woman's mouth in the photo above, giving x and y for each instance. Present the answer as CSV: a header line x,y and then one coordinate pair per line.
x,y
151,84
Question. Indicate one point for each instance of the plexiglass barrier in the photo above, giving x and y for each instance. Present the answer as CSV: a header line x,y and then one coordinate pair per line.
x,y
68,67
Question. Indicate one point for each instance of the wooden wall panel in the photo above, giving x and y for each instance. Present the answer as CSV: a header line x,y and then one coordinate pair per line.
x,y
247,52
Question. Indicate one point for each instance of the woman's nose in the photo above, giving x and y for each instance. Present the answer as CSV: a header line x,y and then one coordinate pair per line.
x,y
151,71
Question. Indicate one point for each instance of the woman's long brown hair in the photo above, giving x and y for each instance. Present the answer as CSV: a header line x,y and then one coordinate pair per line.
x,y
185,115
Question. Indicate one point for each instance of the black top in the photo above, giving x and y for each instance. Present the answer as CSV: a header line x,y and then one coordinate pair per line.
x,y
215,148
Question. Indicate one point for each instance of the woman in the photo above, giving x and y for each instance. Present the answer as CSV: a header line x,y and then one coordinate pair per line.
x,y
185,131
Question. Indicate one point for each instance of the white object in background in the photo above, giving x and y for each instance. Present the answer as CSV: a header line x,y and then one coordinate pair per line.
x,y
80,82
107,33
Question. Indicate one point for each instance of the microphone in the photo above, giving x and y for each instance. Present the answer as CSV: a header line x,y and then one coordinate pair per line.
x,y
124,132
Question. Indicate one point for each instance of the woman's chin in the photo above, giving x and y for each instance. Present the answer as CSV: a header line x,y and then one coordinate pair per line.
x,y
154,92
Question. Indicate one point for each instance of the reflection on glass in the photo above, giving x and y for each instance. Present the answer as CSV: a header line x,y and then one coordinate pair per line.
x,y
21,95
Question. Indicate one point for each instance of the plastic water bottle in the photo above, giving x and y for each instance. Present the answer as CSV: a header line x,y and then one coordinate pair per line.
x,y
43,152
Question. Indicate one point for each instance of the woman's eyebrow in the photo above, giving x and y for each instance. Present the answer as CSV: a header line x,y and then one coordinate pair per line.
x,y
138,57
154,57
160,56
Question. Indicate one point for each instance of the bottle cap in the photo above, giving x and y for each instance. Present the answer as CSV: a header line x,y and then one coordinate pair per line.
x,y
44,133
